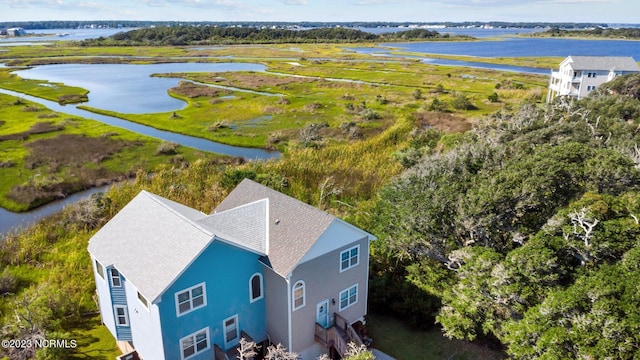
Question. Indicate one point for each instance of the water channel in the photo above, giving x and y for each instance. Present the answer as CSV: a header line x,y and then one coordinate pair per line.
x,y
133,80
119,87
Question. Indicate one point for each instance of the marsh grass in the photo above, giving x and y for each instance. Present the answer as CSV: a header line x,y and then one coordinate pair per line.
x,y
45,160
57,92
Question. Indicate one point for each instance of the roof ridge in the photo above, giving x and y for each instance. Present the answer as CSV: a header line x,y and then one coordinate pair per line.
x,y
278,193
238,207
156,199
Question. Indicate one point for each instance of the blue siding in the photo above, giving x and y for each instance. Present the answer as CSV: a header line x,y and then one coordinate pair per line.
x,y
226,272
119,297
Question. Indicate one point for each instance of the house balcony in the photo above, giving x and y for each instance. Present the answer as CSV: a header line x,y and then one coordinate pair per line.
x,y
338,335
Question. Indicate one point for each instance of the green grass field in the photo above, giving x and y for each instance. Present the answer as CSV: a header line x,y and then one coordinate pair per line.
x,y
396,339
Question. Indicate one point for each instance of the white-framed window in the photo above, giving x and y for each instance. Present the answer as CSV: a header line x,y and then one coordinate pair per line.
x,y
143,300
348,297
99,269
122,315
191,299
230,325
115,278
349,258
298,295
255,288
194,344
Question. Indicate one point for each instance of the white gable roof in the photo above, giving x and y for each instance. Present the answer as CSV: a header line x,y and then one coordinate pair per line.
x,y
150,241
153,240
607,63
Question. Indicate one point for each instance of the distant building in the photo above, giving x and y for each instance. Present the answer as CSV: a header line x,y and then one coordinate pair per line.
x,y
17,31
579,75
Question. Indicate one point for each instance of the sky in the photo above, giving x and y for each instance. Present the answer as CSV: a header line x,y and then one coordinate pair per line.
x,y
598,11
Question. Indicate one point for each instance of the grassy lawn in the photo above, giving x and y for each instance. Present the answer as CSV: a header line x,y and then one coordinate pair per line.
x,y
94,341
396,339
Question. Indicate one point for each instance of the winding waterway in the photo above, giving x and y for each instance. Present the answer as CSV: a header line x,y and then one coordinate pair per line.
x,y
119,88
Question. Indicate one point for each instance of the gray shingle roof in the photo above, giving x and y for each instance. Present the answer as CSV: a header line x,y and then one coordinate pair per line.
x,y
293,225
619,63
152,240
245,226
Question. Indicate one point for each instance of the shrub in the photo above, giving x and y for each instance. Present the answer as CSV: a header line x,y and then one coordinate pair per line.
x,y
8,282
437,105
167,148
462,102
31,108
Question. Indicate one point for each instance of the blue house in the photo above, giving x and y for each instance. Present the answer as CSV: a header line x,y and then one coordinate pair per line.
x,y
174,283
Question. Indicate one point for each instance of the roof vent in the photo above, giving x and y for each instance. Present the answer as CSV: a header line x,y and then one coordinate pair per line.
x,y
277,221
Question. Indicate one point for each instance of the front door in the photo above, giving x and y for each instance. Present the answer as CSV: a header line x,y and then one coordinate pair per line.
x,y
322,313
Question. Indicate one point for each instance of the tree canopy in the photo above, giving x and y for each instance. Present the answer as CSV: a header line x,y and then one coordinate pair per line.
x,y
190,35
523,232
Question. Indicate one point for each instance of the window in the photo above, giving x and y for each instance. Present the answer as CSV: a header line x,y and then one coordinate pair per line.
x,y
298,295
255,287
122,316
143,300
99,269
190,299
115,278
348,297
194,343
231,330
349,258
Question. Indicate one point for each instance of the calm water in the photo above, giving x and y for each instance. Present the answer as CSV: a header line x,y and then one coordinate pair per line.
x,y
475,32
119,87
61,35
127,88
13,221
521,47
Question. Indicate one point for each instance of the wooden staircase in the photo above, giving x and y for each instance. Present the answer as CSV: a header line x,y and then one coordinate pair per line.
x,y
338,335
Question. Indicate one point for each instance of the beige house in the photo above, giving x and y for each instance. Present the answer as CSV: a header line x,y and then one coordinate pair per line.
x,y
579,75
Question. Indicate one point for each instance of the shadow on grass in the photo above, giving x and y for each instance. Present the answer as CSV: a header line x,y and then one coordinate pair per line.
x,y
397,339
94,340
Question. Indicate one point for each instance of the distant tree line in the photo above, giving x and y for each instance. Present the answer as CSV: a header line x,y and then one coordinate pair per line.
x,y
193,35
74,24
600,32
